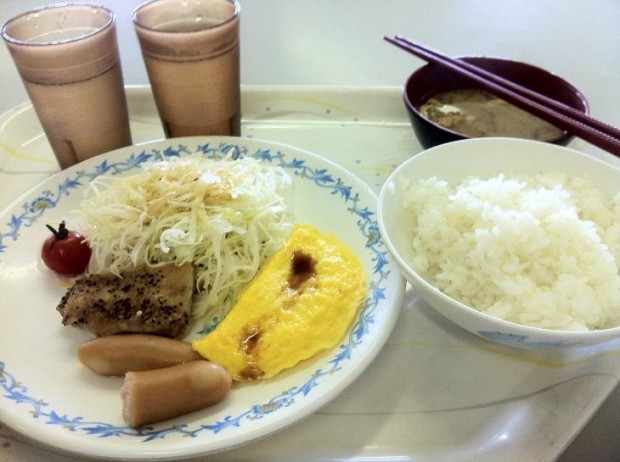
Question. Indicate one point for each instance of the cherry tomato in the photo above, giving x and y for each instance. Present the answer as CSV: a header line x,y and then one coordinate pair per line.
x,y
65,252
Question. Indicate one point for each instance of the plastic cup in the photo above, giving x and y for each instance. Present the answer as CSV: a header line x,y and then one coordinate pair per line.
x,y
191,53
67,57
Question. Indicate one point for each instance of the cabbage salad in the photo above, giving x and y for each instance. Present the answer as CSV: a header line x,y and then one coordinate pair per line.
x,y
225,216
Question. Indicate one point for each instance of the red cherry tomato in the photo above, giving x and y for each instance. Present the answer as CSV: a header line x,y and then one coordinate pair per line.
x,y
65,252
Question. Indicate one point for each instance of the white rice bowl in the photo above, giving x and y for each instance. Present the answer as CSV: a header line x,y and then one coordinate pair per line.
x,y
517,241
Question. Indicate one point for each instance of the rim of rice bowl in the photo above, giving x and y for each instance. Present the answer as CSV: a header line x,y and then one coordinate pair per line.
x,y
610,184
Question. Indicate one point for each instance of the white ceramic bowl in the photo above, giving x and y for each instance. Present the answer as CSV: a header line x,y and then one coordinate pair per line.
x,y
484,157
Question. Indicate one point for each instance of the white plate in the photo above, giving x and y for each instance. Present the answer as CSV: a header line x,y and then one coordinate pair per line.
x,y
49,396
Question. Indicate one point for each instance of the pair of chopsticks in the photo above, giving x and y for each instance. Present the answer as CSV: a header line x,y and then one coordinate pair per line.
x,y
562,116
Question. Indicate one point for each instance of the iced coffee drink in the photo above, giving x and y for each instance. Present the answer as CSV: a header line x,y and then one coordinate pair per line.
x,y
191,53
67,56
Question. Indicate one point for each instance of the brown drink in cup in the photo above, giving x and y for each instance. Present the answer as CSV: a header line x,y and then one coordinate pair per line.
x,y
191,52
67,56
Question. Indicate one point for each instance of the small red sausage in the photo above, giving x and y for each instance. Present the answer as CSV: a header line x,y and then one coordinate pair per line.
x,y
160,394
121,353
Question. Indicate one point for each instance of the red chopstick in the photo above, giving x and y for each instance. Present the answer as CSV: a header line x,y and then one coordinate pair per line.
x,y
562,116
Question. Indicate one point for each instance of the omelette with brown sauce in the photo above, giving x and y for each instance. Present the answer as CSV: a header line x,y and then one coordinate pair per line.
x,y
302,302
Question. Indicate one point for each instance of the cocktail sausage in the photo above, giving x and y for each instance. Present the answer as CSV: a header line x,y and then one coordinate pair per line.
x,y
160,394
118,354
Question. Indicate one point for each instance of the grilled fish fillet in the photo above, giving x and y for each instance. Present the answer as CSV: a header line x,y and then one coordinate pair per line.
x,y
145,300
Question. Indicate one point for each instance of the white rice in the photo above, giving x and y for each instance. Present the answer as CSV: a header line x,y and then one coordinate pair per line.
x,y
539,250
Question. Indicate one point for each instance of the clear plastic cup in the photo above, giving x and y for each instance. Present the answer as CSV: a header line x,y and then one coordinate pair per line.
x,y
67,57
191,52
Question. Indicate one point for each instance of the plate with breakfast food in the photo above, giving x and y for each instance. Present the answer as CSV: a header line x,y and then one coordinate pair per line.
x,y
187,296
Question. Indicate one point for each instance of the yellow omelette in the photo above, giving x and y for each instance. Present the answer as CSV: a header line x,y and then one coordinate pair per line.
x,y
301,302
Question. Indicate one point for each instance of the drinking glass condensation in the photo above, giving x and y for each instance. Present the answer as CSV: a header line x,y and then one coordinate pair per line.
x,y
67,56
191,52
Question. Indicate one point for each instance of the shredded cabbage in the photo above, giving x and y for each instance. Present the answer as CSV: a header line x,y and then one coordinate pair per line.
x,y
225,216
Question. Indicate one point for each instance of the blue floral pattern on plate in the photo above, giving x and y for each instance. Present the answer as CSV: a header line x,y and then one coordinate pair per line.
x,y
33,210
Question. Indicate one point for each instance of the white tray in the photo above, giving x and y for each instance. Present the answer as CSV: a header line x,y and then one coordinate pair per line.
x,y
434,392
